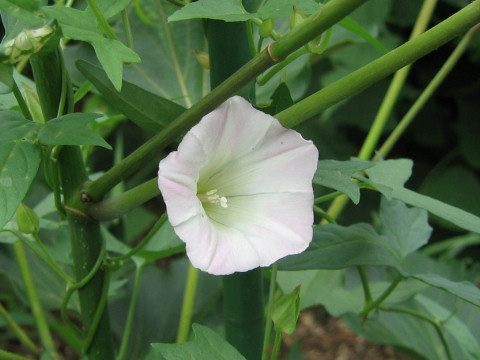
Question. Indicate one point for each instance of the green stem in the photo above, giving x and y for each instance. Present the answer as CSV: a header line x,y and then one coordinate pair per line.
x,y
85,237
382,67
242,292
101,19
117,206
262,80
276,345
131,313
372,305
365,284
32,295
268,320
145,240
127,28
308,30
21,335
21,102
395,87
327,197
427,93
187,306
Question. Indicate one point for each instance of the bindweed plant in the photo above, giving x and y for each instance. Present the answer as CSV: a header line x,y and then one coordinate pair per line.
x,y
181,180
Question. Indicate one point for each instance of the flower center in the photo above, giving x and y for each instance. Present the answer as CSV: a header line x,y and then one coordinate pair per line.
x,y
213,198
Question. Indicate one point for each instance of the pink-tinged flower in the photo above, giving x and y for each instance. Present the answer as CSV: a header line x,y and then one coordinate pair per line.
x,y
238,190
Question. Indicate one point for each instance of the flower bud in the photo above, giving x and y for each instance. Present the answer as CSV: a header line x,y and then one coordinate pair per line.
x,y
266,28
28,42
203,59
27,220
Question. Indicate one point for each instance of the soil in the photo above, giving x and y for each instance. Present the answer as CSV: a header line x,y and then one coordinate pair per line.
x,y
324,338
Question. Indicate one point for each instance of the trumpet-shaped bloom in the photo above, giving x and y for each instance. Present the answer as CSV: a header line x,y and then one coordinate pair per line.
x,y
238,190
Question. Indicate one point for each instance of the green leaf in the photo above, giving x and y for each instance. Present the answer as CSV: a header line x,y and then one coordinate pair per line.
x,y
169,66
71,129
227,10
233,10
338,175
352,26
112,54
286,309
6,79
281,99
147,110
464,290
19,161
403,230
23,10
82,25
454,326
406,229
338,247
207,345
394,174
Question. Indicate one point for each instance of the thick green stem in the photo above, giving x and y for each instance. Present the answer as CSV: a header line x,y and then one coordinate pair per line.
x,y
268,321
395,87
242,292
55,94
380,68
329,14
428,92
117,206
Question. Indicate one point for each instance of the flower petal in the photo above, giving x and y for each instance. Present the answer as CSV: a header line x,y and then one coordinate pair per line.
x,y
265,172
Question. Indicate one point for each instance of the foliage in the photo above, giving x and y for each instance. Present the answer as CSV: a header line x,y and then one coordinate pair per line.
x,y
93,95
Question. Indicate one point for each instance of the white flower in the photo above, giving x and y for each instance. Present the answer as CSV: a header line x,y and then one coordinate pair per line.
x,y
238,190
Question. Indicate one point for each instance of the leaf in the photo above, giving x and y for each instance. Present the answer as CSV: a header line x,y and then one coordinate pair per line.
x,y
207,345
338,175
403,230
281,100
147,110
352,26
285,311
112,54
71,129
19,161
82,25
169,66
464,290
394,174
227,10
233,10
406,229
23,10
454,326
338,247
6,79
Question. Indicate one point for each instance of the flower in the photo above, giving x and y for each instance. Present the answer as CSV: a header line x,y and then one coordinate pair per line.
x,y
238,190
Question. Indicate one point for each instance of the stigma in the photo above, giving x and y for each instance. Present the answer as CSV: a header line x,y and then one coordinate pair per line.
x,y
213,197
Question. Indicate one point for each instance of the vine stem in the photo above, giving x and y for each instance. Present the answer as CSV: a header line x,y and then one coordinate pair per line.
x,y
320,21
34,300
268,320
131,312
427,93
395,87
187,305
101,19
21,335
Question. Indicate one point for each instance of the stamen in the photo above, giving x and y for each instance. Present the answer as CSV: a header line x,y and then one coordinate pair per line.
x,y
212,197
